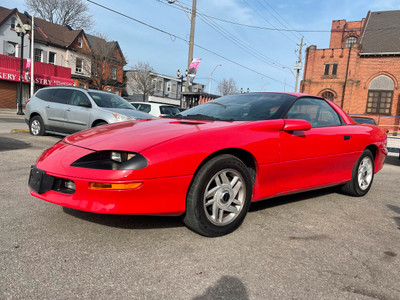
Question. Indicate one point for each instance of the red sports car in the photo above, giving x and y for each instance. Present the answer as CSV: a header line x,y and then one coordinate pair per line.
x,y
210,162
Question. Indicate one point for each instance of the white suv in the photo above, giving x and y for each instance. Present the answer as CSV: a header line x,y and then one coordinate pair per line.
x,y
156,109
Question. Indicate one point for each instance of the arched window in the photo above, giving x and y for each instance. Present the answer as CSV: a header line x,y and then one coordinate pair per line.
x,y
350,41
380,95
328,95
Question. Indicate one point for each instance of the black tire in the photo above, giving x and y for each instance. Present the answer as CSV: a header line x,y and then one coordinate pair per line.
x,y
36,126
230,189
362,176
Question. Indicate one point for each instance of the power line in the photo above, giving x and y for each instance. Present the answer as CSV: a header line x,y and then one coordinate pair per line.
x,y
243,45
273,15
182,39
249,49
283,33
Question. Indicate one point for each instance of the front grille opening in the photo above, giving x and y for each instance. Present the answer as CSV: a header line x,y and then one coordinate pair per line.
x,y
64,186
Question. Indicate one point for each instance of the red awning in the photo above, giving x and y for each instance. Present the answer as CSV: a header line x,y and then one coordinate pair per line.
x,y
45,74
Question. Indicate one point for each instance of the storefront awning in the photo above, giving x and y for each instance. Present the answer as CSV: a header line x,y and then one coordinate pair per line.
x,y
44,74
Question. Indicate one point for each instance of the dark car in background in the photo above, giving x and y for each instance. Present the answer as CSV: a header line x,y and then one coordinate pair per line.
x,y
364,120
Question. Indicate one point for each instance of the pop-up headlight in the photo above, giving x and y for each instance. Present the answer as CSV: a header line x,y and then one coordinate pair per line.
x,y
111,160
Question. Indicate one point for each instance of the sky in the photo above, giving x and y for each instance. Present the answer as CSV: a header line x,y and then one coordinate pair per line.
x,y
233,38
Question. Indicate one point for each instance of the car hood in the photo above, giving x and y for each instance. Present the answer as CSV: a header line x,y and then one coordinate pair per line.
x,y
133,113
139,135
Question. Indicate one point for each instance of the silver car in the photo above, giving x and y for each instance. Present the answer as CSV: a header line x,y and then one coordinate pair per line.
x,y
65,110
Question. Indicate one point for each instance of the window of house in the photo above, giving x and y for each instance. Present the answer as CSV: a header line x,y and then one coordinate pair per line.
x,y
153,83
379,102
380,95
173,88
114,73
52,58
78,65
12,25
328,95
350,41
168,87
38,54
11,49
159,84
326,69
334,69
79,42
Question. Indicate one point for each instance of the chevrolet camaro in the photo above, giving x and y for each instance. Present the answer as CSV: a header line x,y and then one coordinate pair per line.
x,y
210,162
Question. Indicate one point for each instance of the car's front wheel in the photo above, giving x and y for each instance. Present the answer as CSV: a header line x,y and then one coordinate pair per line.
x,y
36,126
362,176
219,197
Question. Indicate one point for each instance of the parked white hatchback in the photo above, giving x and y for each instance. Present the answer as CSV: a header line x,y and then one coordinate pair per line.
x,y
156,109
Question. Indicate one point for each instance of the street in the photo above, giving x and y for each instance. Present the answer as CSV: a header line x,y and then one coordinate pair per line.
x,y
314,245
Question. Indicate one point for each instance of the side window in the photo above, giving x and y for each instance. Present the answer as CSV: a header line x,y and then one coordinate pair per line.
x,y
316,111
62,96
46,94
79,98
144,107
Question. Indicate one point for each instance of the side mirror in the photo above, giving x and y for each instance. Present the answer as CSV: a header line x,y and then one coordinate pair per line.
x,y
85,104
296,125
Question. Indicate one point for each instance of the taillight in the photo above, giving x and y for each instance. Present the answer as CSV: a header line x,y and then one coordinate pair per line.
x,y
26,102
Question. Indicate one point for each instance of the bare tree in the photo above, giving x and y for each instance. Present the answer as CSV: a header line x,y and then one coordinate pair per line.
x,y
74,13
227,87
103,55
143,75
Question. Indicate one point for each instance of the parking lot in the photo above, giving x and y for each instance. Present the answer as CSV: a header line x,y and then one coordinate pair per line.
x,y
314,245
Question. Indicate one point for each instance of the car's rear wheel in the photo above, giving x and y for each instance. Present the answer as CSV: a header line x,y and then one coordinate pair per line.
x,y
36,126
219,197
362,177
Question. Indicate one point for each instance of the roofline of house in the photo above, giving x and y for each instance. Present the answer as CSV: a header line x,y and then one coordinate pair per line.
x,y
379,53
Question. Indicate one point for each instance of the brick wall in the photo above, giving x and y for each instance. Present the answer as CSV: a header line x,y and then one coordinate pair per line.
x,y
354,73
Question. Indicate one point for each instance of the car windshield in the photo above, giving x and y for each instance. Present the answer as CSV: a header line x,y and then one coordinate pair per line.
x,y
241,107
110,100
169,110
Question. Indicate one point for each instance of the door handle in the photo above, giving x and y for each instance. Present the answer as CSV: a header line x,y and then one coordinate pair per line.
x,y
68,109
347,137
47,106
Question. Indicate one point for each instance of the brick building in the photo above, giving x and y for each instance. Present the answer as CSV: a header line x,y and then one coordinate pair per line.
x,y
360,71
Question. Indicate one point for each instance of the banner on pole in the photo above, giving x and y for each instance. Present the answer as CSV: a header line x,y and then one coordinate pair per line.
x,y
193,69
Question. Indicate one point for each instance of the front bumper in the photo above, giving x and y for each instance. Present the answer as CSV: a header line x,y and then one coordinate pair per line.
x,y
159,196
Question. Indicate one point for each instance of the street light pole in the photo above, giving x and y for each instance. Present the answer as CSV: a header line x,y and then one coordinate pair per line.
x,y
21,31
209,83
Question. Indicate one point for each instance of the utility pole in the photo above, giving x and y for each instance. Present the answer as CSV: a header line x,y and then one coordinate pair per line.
x,y
298,64
191,40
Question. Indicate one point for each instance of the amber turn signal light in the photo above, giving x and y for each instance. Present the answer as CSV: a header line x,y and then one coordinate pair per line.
x,y
114,186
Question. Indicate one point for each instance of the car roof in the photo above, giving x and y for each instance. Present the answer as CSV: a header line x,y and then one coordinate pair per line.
x,y
76,88
153,103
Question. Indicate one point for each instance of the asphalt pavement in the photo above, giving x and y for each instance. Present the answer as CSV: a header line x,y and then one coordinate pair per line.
x,y
314,245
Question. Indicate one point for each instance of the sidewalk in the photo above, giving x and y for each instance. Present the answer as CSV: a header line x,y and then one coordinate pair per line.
x,y
11,122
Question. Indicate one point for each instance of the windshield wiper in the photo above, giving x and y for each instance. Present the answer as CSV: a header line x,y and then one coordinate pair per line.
x,y
196,117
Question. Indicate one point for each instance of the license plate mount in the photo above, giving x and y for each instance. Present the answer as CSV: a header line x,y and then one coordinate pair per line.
x,y
39,181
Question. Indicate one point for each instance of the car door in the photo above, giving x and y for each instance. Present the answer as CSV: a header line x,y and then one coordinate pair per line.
x,y
78,111
320,156
55,109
